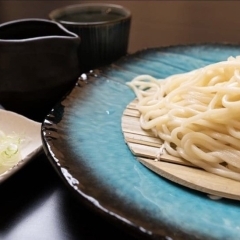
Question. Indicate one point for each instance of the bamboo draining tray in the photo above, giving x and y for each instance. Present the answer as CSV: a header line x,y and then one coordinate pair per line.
x,y
144,145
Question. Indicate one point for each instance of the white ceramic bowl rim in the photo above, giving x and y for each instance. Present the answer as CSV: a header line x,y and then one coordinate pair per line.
x,y
11,122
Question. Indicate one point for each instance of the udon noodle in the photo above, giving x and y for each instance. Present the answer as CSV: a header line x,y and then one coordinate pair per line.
x,y
196,114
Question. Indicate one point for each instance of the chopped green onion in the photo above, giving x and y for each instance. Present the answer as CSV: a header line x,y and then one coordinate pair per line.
x,y
9,150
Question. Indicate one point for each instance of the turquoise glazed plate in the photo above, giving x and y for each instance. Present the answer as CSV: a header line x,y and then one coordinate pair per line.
x,y
83,139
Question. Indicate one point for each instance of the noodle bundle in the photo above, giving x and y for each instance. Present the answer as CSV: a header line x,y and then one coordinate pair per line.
x,y
196,114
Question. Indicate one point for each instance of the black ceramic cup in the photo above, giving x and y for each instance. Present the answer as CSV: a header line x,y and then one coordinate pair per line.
x,y
38,65
103,29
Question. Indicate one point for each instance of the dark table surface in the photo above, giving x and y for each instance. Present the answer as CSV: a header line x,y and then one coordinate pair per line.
x,y
34,203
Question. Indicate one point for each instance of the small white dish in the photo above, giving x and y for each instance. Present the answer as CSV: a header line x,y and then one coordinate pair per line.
x,y
11,122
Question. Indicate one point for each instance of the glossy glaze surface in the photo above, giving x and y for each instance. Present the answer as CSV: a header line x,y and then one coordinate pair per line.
x,y
38,64
83,140
103,28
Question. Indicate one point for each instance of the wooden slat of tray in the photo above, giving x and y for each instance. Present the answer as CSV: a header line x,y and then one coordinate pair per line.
x,y
142,150
145,146
195,178
132,112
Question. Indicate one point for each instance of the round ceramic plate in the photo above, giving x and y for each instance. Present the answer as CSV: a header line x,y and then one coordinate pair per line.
x,y
83,139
